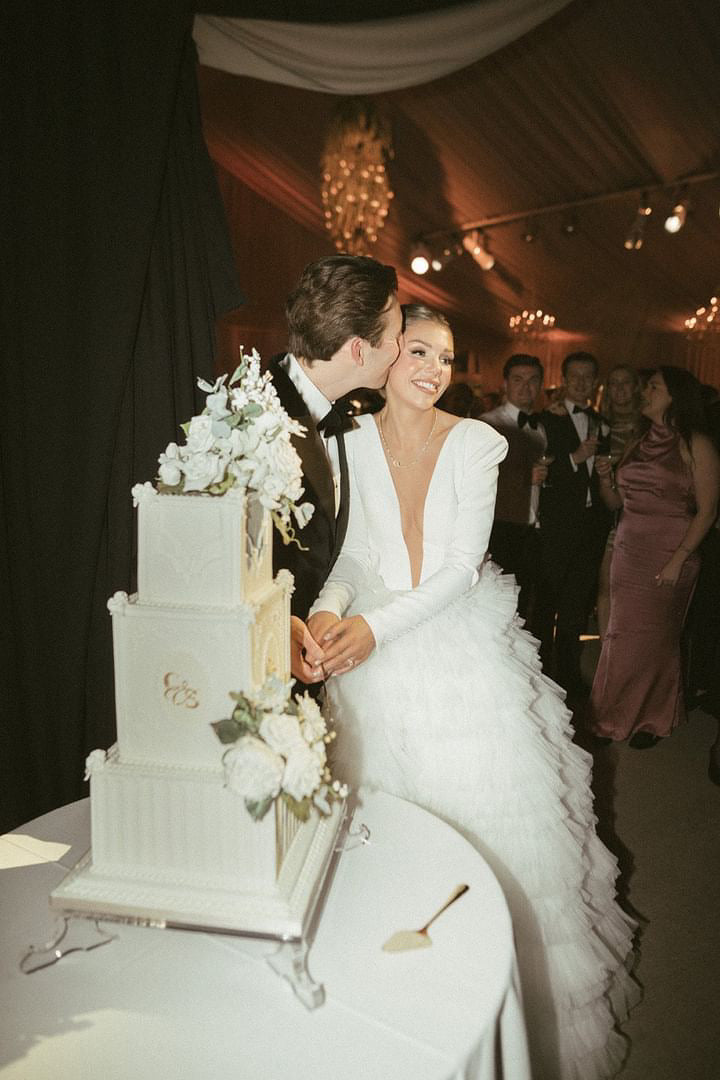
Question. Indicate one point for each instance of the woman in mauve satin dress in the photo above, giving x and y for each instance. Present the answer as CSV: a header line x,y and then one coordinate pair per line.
x,y
667,486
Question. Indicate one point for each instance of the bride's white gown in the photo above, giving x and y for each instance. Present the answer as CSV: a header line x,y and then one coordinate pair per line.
x,y
452,712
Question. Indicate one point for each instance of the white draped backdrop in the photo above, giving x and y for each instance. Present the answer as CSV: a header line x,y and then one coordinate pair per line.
x,y
366,57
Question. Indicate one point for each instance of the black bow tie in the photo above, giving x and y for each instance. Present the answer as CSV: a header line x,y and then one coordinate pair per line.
x,y
588,410
531,419
334,423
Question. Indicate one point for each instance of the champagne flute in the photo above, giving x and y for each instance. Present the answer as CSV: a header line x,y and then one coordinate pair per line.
x,y
605,455
546,460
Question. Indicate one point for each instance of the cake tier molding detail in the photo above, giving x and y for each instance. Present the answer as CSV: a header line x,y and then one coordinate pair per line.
x,y
175,669
280,911
202,550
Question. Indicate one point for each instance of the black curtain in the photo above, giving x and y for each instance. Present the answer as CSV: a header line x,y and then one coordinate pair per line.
x,y
116,262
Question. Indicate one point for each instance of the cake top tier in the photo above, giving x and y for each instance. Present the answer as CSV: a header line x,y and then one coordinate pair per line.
x,y
241,442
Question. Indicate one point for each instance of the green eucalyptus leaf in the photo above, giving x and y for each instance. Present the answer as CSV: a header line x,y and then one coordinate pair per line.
x,y
223,486
227,731
300,809
258,810
185,427
252,410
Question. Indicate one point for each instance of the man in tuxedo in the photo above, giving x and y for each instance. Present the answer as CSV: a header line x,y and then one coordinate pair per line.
x,y
574,524
344,324
514,540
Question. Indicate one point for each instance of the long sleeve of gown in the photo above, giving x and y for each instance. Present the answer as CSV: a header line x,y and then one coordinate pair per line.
x,y
475,478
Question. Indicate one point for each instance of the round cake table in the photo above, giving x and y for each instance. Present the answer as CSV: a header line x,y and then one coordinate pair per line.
x,y
159,1003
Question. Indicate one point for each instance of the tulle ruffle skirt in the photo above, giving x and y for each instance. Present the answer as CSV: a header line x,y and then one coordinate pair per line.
x,y
456,716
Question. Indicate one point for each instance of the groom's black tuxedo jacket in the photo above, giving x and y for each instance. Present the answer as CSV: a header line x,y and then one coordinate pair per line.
x,y
563,501
310,568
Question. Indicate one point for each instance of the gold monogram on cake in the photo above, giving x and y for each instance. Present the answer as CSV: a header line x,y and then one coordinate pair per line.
x,y
177,691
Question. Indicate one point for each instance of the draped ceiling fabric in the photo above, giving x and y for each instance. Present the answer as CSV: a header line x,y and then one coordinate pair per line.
x,y
603,96
367,57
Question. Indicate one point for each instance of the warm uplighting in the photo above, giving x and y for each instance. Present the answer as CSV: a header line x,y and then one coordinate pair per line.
x,y
531,323
355,191
706,320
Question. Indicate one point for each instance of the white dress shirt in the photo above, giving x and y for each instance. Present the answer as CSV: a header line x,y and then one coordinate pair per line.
x,y
318,406
506,415
582,423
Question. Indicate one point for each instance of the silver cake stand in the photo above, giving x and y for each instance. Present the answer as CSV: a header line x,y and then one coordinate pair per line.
x,y
79,929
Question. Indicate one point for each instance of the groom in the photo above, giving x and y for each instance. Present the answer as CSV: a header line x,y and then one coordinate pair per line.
x,y
344,324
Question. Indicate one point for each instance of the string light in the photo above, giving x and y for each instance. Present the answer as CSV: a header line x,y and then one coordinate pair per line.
x,y
531,323
706,320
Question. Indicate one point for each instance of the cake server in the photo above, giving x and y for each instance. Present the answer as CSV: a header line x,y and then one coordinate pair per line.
x,y
420,939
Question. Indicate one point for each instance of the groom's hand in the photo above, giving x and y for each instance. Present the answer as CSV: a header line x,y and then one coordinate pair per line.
x,y
347,644
306,656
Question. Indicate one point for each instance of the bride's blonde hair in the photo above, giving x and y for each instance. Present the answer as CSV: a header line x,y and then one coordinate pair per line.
x,y
422,311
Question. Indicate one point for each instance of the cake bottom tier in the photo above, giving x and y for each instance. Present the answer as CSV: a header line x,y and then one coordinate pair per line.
x,y
173,845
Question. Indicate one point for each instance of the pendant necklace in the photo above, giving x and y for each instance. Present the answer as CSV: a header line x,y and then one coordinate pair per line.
x,y
394,461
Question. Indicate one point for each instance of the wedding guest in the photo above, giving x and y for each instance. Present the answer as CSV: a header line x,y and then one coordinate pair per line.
x,y
574,524
621,409
701,644
667,486
514,540
344,323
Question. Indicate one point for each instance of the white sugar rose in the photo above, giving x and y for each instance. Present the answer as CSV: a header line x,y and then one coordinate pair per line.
x,y
303,772
202,470
200,436
272,696
281,732
94,762
312,720
170,472
253,770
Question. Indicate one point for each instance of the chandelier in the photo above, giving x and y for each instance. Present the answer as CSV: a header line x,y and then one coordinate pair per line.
x,y
704,321
356,194
531,323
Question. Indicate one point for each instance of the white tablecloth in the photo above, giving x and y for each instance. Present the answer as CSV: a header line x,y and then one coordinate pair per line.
x,y
156,1004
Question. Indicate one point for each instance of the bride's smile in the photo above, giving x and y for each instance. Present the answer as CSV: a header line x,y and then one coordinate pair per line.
x,y
423,369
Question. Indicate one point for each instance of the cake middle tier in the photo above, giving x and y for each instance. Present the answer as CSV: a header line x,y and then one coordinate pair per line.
x,y
176,667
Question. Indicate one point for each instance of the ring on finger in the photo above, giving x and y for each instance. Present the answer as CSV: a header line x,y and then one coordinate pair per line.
x,y
350,661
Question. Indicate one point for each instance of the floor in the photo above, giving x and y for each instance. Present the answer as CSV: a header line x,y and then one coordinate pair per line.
x,y
660,814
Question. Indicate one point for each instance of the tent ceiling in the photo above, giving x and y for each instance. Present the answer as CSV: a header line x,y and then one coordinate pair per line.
x,y
605,96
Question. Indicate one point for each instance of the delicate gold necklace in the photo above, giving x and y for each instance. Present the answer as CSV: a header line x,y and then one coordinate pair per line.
x,y
394,461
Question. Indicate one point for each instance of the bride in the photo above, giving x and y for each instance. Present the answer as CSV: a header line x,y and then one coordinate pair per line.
x,y
439,698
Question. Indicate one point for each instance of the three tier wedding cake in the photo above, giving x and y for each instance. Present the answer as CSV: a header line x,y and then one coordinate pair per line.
x,y
216,806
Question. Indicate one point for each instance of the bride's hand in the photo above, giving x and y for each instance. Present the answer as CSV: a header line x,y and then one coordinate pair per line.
x,y
347,644
319,624
306,656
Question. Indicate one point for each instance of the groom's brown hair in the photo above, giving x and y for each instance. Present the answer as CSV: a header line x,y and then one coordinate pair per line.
x,y
338,297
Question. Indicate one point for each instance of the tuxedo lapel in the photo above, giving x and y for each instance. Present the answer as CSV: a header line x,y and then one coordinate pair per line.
x,y
316,471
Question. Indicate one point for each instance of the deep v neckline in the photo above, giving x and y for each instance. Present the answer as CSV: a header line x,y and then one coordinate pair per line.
x,y
396,498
